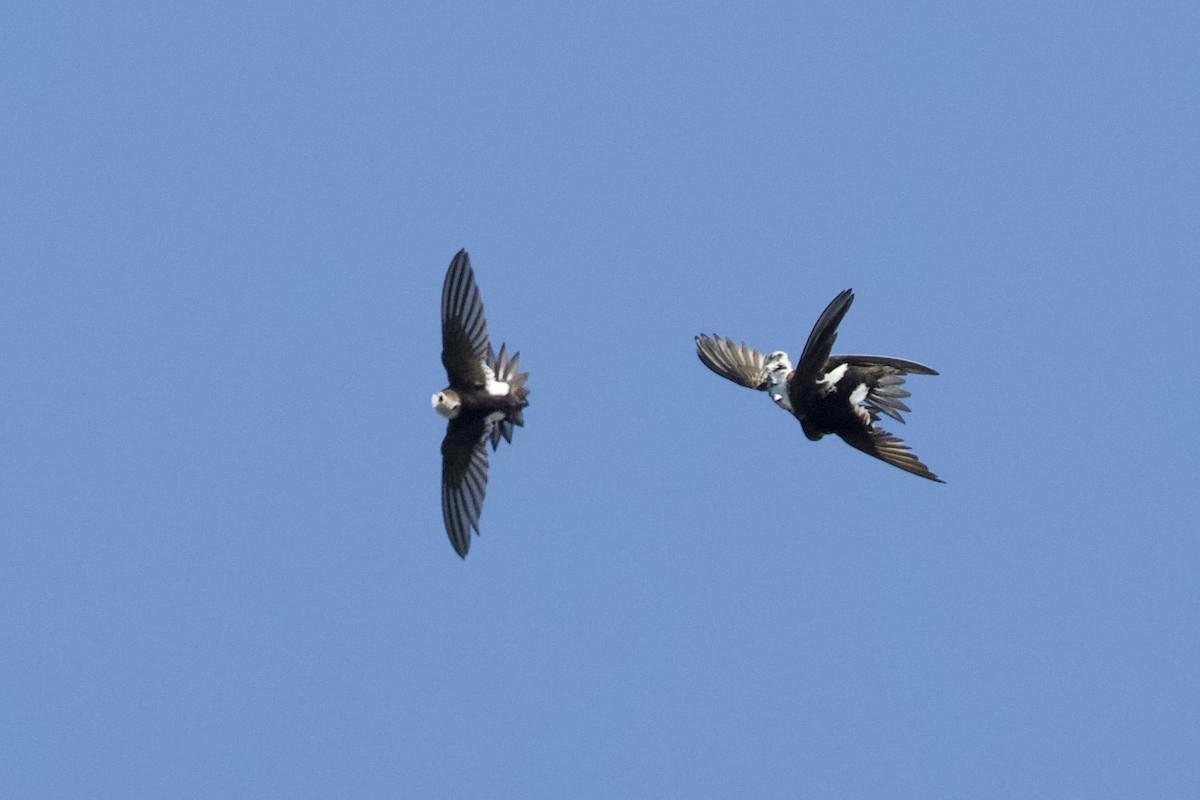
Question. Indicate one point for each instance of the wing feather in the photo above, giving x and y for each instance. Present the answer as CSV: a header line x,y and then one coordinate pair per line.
x,y
887,447
883,376
739,363
464,326
902,366
464,478
803,382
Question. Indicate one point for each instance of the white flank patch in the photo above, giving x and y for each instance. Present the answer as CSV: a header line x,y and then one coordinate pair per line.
x,y
828,382
859,394
856,402
490,385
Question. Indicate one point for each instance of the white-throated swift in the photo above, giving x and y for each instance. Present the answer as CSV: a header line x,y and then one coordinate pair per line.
x,y
483,401
842,395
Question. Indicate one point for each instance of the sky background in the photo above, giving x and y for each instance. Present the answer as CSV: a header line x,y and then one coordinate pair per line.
x,y
223,233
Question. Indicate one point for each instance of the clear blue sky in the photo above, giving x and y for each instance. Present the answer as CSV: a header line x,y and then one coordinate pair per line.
x,y
224,232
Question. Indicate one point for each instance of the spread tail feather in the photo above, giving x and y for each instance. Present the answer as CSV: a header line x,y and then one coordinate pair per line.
x,y
508,370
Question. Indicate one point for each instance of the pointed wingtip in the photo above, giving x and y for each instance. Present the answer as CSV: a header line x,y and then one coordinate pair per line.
x,y
843,301
460,261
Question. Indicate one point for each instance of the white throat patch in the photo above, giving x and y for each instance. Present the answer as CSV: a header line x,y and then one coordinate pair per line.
x,y
779,395
778,367
447,403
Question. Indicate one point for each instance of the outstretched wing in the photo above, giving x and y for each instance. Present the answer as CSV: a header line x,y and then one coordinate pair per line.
x,y
886,447
739,363
902,366
802,384
464,478
464,327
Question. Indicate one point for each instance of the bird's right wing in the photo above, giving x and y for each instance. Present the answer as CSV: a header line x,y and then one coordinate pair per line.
x,y
465,343
739,363
890,448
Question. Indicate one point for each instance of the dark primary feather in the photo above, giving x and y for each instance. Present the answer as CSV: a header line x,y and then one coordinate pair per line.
x,y
739,363
820,343
902,366
887,447
464,478
464,326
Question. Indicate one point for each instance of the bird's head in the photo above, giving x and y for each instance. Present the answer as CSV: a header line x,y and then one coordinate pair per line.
x,y
447,403
778,365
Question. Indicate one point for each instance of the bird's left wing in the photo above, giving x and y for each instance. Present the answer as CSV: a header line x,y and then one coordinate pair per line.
x,y
739,363
464,478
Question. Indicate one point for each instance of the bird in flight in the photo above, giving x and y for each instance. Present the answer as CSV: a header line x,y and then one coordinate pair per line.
x,y
483,402
842,395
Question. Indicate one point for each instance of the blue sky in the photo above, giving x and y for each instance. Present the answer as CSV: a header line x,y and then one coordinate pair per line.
x,y
225,232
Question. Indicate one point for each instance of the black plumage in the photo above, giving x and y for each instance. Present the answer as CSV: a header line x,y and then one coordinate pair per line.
x,y
838,394
483,402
